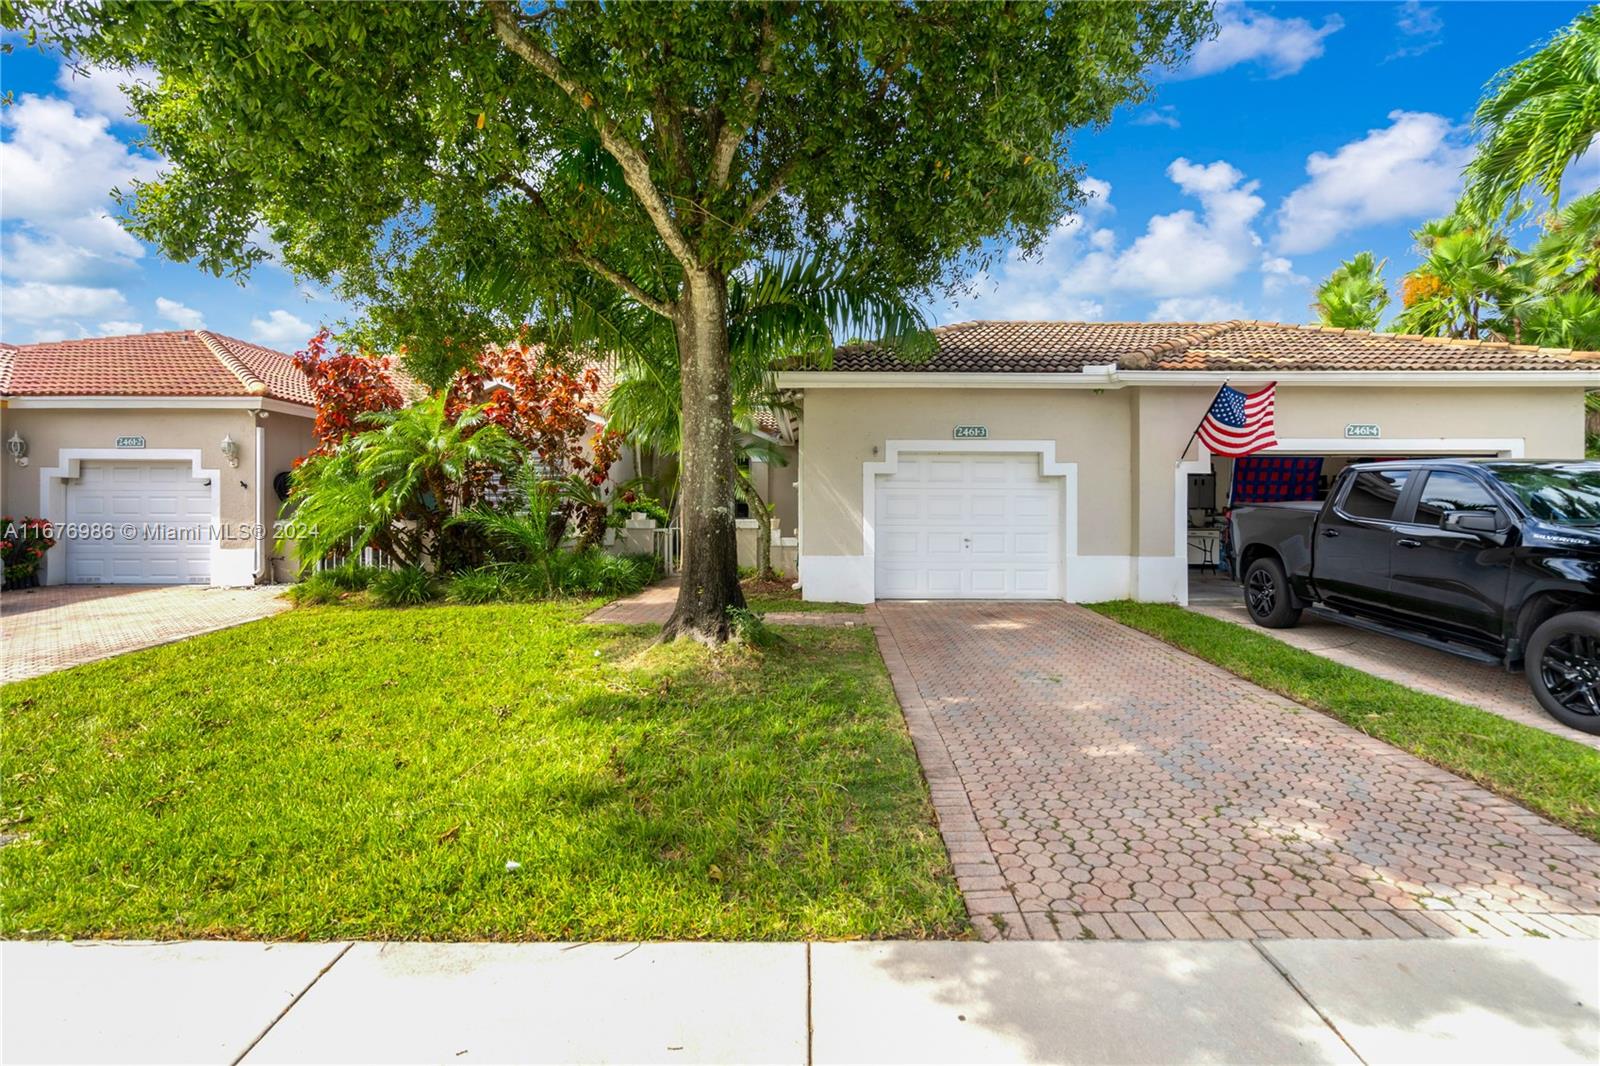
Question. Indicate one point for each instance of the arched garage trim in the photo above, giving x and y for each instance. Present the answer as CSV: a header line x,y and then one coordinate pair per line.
x,y
863,580
229,566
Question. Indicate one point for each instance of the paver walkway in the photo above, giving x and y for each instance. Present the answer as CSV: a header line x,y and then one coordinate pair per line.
x,y
58,626
1092,781
1493,688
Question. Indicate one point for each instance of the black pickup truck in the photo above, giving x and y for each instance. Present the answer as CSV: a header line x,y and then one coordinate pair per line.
x,y
1496,560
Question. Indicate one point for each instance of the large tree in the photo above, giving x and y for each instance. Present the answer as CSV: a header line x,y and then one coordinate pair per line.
x,y
460,167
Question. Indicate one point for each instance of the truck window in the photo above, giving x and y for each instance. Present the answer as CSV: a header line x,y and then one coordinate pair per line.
x,y
1374,493
1446,490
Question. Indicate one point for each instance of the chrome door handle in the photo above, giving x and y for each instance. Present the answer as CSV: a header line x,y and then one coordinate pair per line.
x,y
1407,542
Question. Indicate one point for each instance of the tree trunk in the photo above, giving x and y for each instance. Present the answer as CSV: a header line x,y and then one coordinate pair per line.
x,y
710,564
763,515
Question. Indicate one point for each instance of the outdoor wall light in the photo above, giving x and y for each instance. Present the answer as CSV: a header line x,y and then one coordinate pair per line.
x,y
230,450
18,449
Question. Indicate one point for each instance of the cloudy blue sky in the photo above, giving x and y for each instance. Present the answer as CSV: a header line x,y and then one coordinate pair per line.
x,y
1302,134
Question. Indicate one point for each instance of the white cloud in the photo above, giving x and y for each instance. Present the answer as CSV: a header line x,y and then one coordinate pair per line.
x,y
1419,28
60,165
179,315
48,336
1184,253
37,302
1040,287
62,244
120,327
281,328
1407,171
1196,309
1278,46
99,90
1159,116
1278,276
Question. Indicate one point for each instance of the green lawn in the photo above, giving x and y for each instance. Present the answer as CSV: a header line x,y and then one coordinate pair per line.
x,y
772,596
1549,774
355,772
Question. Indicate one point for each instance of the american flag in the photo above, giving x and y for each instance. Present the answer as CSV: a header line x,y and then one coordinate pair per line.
x,y
1239,423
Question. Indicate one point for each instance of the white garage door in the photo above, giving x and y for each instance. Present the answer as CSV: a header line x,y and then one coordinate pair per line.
x,y
952,526
159,519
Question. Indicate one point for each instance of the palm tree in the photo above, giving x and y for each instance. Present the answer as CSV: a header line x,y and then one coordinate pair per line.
x,y
1354,295
1457,289
1567,255
1536,117
395,485
526,527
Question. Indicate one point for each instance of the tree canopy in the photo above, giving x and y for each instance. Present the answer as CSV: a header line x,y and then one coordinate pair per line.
x,y
395,151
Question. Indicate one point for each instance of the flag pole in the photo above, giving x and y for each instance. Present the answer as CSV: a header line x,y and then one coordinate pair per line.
x,y
1200,423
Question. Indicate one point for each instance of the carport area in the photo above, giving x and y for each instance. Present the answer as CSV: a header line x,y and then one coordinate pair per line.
x,y
1494,689
57,626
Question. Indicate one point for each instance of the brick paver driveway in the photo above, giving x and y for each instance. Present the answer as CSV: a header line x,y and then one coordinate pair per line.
x,y
58,626
1121,788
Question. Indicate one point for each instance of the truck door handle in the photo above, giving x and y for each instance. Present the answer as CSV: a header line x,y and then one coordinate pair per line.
x,y
1330,532
1407,542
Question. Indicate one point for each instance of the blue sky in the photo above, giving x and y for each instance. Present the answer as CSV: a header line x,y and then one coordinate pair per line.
x,y
1302,134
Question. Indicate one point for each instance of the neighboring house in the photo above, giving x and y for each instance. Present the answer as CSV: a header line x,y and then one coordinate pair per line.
x,y
1050,460
161,458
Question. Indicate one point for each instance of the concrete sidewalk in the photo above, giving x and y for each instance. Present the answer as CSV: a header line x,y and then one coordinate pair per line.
x,y
913,1002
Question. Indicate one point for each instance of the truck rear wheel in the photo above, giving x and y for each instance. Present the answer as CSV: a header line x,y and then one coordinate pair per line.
x,y
1266,595
1563,667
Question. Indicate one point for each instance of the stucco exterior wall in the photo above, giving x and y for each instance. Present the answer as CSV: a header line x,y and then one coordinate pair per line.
x,y
52,431
1126,444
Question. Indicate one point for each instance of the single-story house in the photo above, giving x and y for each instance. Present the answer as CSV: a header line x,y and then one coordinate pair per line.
x,y
1054,460
161,458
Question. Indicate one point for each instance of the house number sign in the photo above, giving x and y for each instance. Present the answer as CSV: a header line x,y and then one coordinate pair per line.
x,y
1363,430
971,432
130,442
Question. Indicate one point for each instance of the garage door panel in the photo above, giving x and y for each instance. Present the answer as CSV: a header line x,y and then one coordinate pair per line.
x,y
989,582
902,506
989,506
901,543
1035,506
991,544
1032,582
981,527
1031,544
158,515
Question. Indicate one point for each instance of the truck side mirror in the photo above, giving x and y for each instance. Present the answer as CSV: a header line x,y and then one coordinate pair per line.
x,y
1479,523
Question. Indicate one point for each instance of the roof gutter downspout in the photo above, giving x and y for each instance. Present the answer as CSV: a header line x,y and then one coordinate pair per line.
x,y
263,560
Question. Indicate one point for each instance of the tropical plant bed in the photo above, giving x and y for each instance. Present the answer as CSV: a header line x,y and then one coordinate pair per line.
x,y
782,596
496,772
1546,773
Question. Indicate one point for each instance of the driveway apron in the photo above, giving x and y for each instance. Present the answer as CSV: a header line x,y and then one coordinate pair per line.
x,y
1123,789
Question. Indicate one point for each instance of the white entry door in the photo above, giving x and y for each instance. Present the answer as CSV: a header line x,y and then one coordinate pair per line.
x,y
159,519
968,526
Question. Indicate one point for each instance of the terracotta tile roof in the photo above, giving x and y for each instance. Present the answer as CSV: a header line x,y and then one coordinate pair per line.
x,y
177,363
1069,347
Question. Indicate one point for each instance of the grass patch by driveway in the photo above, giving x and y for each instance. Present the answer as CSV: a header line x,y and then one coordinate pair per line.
x,y
776,596
1547,773
359,773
